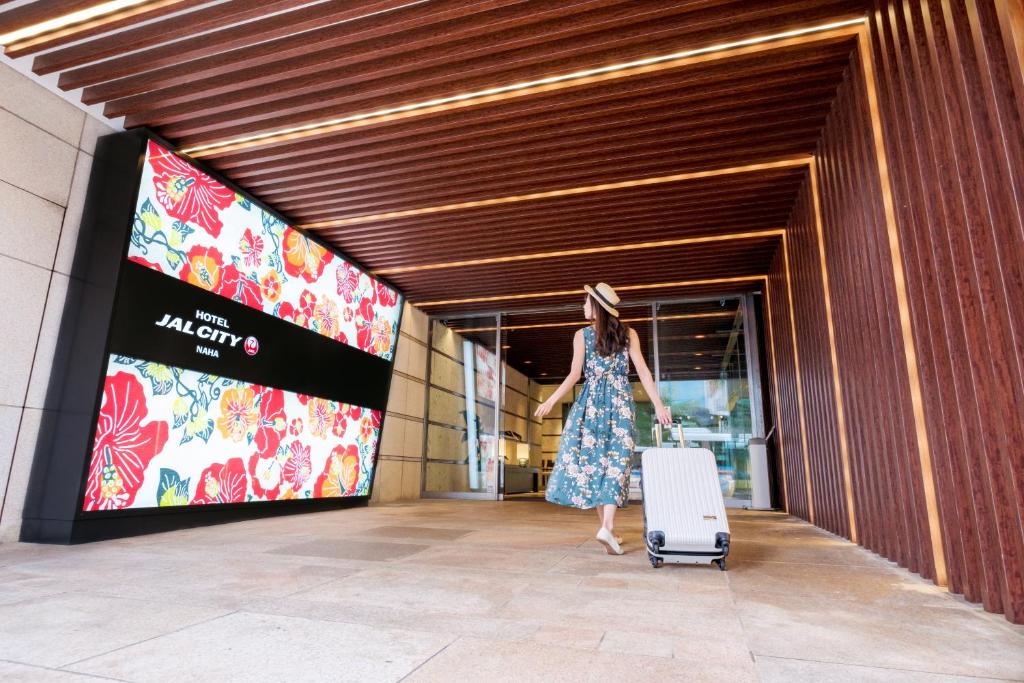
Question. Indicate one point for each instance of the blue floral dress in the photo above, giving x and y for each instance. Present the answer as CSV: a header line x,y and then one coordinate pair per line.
x,y
592,467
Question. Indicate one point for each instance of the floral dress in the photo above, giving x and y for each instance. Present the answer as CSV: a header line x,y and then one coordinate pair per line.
x,y
592,467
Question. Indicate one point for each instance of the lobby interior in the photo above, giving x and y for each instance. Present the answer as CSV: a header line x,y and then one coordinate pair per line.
x,y
811,210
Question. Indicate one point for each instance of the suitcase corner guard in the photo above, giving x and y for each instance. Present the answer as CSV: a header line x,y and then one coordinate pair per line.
x,y
722,541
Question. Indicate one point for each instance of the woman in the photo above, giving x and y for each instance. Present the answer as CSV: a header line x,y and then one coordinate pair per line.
x,y
592,466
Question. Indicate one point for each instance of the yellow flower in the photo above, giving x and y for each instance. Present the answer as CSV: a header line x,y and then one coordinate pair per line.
x,y
151,219
270,285
197,424
321,417
238,414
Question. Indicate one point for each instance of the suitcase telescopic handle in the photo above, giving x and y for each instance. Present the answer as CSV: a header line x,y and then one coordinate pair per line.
x,y
659,432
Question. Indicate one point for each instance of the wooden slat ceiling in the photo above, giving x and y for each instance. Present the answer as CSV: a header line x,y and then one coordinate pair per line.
x,y
422,137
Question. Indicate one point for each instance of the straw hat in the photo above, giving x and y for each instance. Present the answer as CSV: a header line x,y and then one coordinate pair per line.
x,y
604,295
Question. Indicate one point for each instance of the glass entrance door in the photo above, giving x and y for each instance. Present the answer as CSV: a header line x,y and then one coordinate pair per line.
x,y
701,363
463,409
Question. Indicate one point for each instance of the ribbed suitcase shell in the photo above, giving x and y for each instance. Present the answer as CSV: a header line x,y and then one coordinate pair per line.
x,y
682,498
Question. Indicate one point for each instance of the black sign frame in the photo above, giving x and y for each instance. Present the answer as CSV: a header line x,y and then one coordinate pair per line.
x,y
84,347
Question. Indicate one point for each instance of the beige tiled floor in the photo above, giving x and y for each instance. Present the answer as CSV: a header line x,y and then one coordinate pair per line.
x,y
472,591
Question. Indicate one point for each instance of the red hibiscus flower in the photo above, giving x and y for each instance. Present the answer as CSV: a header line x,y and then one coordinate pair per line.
x,y
222,483
303,257
204,267
355,412
237,286
340,475
123,447
375,418
307,306
373,333
287,312
298,467
340,423
386,296
348,281
272,423
366,429
266,476
187,193
251,247
148,264
364,325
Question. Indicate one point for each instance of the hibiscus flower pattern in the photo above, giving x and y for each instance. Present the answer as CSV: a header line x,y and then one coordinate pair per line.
x,y
124,446
186,193
222,483
226,441
340,473
190,226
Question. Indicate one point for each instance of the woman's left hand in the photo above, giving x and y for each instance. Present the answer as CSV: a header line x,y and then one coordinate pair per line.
x,y
664,415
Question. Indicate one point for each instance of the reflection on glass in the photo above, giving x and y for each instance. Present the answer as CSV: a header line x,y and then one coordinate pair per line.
x,y
461,418
704,381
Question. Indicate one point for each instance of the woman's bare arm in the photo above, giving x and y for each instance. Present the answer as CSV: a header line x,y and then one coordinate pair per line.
x,y
637,356
575,372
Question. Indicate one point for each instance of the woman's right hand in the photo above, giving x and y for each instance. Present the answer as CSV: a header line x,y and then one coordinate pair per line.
x,y
543,409
664,415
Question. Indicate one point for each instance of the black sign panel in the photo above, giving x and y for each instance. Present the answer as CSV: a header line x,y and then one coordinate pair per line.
x,y
163,319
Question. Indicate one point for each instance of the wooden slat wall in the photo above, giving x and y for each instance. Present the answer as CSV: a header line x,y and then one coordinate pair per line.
x,y
784,398
885,470
952,129
955,150
830,511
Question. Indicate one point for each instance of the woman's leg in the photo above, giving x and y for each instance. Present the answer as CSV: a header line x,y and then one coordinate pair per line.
x,y
600,515
608,517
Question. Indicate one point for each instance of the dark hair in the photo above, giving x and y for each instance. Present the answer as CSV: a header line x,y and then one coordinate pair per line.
x,y
611,336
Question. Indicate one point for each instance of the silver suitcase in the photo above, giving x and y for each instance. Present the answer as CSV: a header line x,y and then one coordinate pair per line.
x,y
684,513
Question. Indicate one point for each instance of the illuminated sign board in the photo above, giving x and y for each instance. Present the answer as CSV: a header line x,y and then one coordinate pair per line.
x,y
246,364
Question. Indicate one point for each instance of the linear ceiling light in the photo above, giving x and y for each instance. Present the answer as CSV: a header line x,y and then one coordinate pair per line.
x,y
791,162
70,19
570,292
610,71
574,323
584,251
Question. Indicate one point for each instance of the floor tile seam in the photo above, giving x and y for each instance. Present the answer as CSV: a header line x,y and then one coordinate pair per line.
x,y
954,604
739,618
428,659
349,621
504,572
66,667
198,595
306,589
816,564
50,668
251,609
30,598
884,668
745,594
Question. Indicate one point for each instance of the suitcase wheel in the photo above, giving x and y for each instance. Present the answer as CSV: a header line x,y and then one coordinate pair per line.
x,y
655,561
721,564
